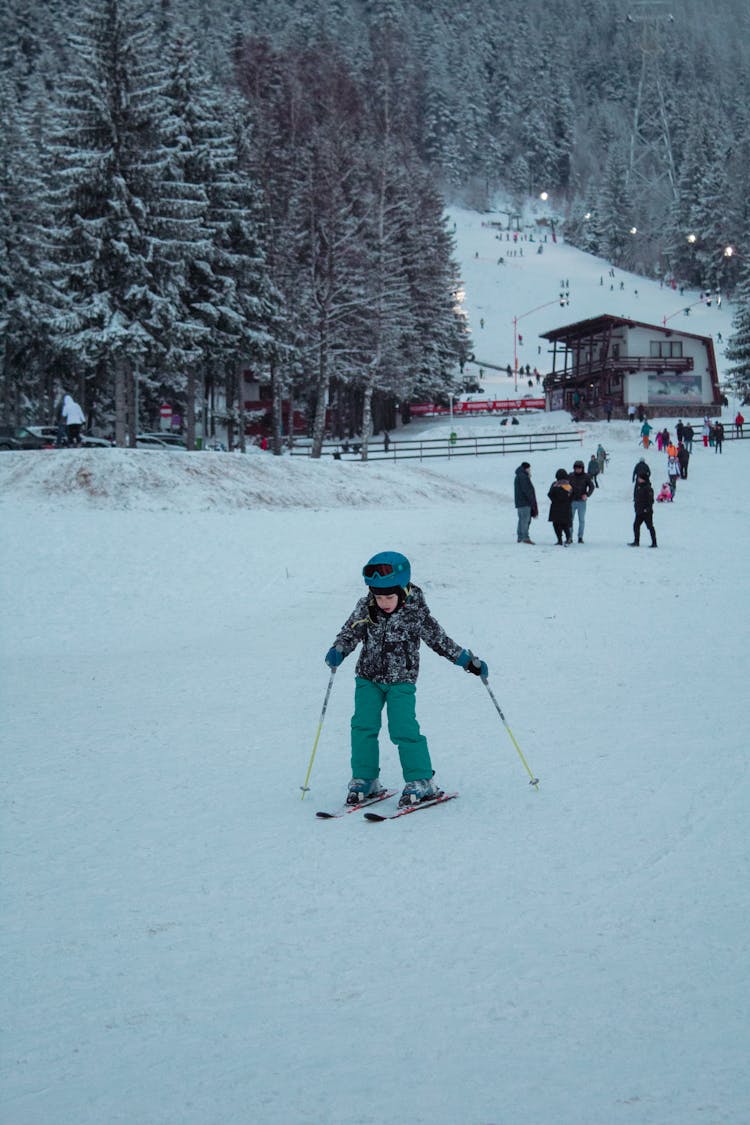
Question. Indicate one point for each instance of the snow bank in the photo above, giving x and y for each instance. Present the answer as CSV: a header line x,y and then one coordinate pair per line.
x,y
178,481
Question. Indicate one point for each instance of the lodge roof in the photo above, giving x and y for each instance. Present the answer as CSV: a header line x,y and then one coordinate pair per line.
x,y
605,322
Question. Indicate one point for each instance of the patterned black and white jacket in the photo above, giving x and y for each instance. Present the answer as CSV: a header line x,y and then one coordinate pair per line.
x,y
390,642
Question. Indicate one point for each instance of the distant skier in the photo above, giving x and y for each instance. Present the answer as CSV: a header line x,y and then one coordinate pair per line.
x,y
390,621
593,469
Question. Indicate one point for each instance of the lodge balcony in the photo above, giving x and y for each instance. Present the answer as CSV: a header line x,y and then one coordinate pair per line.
x,y
617,366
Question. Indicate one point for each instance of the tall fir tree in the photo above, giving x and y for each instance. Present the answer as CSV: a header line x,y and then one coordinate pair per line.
x,y
105,141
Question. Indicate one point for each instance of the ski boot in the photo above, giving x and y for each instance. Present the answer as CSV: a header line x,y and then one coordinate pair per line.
x,y
361,790
417,791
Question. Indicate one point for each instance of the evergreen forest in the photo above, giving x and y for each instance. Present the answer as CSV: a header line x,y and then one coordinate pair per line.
x,y
194,189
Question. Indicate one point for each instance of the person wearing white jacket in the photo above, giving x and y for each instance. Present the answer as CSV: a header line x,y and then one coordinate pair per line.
x,y
74,418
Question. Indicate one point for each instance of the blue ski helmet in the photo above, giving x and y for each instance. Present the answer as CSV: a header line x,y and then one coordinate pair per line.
x,y
386,570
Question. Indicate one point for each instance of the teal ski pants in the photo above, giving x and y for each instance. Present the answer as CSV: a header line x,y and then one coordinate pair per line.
x,y
403,729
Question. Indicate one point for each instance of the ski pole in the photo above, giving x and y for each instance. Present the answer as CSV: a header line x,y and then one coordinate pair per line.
x,y
534,780
305,788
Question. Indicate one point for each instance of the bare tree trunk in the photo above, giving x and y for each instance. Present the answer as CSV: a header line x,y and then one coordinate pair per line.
x,y
131,400
231,382
379,301
277,409
367,411
190,410
319,423
241,435
121,406
290,433
202,412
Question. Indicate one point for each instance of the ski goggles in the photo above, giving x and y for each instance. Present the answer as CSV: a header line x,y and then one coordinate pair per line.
x,y
383,569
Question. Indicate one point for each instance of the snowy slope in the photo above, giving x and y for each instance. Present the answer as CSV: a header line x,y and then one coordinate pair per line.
x,y
184,944
528,289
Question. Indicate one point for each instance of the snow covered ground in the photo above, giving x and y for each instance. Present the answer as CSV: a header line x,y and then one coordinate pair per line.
x,y
185,944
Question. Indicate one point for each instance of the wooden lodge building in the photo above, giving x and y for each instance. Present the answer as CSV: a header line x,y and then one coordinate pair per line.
x,y
667,372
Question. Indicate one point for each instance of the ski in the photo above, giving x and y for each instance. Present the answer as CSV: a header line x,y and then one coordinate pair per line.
x,y
346,809
375,818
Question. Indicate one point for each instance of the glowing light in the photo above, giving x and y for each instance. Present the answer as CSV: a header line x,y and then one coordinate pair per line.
x,y
692,238
728,251
634,230
587,215
544,195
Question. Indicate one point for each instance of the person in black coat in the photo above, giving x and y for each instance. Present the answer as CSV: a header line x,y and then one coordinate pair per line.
x,y
525,501
560,509
683,459
643,502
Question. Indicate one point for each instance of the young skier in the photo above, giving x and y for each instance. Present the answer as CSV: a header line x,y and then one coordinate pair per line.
x,y
390,621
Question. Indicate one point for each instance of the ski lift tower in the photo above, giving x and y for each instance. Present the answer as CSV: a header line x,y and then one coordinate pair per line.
x,y
651,161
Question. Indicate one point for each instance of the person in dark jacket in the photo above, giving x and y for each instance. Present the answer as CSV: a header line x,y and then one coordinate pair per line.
x,y
643,502
560,511
525,501
581,487
642,469
683,459
593,469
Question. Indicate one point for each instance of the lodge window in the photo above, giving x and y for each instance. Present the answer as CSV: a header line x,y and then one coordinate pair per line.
x,y
666,349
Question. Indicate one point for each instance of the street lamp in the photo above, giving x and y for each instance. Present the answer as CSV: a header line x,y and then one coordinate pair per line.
x,y
563,299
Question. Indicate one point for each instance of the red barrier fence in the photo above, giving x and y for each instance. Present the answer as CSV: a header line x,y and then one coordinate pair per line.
x,y
479,406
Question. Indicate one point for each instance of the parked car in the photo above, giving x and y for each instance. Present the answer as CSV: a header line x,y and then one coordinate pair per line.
x,y
20,437
49,433
159,441
92,442
166,438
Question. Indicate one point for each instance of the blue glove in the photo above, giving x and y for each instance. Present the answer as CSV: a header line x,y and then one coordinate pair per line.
x,y
334,657
471,663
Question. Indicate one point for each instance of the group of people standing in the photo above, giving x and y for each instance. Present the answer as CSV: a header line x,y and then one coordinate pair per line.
x,y
713,435
568,495
570,491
